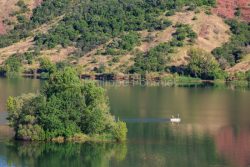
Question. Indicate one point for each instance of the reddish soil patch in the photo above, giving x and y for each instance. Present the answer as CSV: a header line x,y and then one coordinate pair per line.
x,y
2,28
227,8
34,4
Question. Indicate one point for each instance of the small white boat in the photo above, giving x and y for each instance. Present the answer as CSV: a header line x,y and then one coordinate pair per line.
x,y
175,119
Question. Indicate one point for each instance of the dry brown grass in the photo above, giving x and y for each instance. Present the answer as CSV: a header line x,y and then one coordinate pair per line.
x,y
242,66
25,44
157,38
211,29
58,54
7,7
19,47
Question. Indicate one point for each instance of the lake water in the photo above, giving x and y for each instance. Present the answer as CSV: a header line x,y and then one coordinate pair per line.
x,y
214,132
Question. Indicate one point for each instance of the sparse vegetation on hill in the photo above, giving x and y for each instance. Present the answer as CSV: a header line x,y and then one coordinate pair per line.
x,y
90,23
237,48
141,36
155,60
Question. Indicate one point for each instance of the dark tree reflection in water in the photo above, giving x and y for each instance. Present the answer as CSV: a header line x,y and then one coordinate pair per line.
x,y
37,154
215,129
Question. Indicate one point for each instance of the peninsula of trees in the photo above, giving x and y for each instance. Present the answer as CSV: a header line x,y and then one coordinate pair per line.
x,y
66,109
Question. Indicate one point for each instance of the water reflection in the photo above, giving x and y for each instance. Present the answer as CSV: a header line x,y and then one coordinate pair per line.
x,y
149,145
234,145
169,145
16,87
20,154
215,129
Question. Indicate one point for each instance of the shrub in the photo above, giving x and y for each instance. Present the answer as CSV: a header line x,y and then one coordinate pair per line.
x,y
126,42
170,13
47,66
62,64
183,32
115,59
30,132
100,69
2,71
12,65
241,76
237,12
44,75
203,65
248,75
120,131
129,41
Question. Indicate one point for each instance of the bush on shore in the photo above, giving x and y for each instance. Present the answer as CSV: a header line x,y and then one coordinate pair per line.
x,y
203,65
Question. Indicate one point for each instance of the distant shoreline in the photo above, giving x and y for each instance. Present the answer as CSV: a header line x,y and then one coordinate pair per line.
x,y
137,79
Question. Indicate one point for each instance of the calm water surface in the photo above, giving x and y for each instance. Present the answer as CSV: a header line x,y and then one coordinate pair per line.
x,y
215,130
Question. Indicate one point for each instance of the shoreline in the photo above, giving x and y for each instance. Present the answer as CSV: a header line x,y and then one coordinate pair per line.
x,y
138,79
166,80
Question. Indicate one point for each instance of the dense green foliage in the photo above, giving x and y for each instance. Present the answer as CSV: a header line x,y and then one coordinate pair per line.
x,y
239,76
235,49
103,20
203,65
126,42
65,108
47,66
87,24
13,65
248,75
156,58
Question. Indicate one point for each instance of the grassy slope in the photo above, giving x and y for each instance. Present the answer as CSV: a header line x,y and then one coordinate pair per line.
x,y
243,65
25,44
7,7
211,30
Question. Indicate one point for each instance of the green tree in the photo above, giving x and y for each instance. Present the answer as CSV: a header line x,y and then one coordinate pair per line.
x,y
203,65
66,107
12,65
248,75
47,66
234,50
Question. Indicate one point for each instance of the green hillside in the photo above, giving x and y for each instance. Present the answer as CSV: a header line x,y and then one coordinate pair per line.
x,y
128,36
